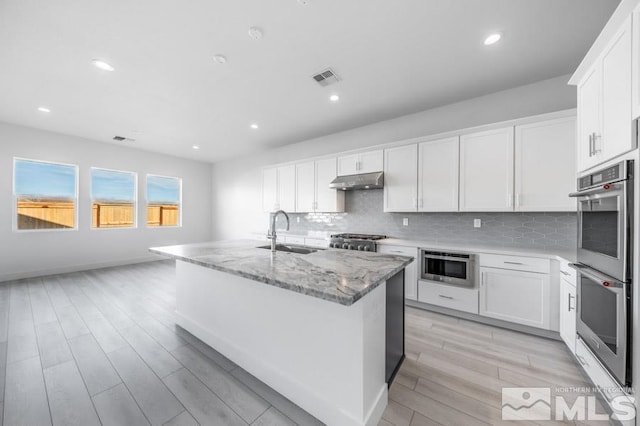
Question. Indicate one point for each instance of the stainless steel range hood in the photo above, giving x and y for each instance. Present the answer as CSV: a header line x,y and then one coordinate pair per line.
x,y
373,180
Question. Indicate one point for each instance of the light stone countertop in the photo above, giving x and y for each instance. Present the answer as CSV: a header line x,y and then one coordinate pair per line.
x,y
340,276
557,254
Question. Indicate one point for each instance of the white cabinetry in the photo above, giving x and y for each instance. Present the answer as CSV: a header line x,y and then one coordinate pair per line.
x,y
568,306
448,296
312,187
438,170
401,179
517,289
410,271
635,67
363,162
279,188
605,127
545,165
486,171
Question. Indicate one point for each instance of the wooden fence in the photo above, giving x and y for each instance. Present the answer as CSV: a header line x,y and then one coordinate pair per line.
x,y
163,215
46,214
112,215
61,214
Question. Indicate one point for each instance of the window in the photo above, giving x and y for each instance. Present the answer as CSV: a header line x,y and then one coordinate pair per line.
x,y
45,195
164,196
113,199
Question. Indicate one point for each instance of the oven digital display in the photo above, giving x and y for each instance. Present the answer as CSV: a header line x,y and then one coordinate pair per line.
x,y
597,178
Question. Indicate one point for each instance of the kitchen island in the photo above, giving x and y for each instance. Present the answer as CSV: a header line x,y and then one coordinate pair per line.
x,y
315,327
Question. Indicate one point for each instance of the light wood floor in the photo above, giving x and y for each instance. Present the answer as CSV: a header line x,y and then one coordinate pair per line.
x,y
101,347
455,371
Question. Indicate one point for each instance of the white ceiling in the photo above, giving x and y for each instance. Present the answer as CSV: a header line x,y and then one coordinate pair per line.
x,y
394,58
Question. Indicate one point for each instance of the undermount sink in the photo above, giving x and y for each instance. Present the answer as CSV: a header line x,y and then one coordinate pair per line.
x,y
292,249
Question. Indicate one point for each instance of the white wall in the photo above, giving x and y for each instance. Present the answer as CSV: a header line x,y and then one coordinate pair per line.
x,y
237,209
24,254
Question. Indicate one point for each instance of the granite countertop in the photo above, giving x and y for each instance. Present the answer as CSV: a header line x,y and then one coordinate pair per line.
x,y
340,276
565,254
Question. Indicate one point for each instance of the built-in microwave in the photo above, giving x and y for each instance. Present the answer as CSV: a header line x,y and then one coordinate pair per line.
x,y
448,268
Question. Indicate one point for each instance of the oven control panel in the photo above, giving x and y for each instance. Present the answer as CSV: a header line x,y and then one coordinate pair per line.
x,y
611,174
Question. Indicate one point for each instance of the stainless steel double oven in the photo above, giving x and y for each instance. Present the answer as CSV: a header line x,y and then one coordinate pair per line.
x,y
605,265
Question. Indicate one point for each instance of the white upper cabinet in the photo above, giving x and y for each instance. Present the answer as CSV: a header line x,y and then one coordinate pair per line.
x,y
401,179
486,170
363,162
305,187
617,125
312,187
635,67
287,188
327,200
605,125
270,189
545,165
438,167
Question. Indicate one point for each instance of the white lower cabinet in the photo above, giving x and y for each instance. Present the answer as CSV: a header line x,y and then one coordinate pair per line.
x,y
568,313
448,296
410,271
516,296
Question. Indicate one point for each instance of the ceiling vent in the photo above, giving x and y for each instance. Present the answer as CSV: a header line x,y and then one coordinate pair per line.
x,y
326,77
123,139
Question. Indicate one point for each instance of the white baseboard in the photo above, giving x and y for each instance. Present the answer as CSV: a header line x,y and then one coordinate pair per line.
x,y
76,268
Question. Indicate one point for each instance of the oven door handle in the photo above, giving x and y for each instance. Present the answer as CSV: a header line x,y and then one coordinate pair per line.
x,y
604,280
603,189
455,259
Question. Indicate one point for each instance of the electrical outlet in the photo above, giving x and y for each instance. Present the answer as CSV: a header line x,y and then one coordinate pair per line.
x,y
477,223
405,221
298,219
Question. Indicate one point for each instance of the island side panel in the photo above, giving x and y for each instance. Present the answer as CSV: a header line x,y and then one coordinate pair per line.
x,y
326,357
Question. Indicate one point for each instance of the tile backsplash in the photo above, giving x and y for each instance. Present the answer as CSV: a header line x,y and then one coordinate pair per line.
x,y
364,215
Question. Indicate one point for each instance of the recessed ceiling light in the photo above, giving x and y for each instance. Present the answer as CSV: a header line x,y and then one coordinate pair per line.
x,y
221,59
304,2
493,38
334,98
255,33
43,109
196,147
254,126
102,65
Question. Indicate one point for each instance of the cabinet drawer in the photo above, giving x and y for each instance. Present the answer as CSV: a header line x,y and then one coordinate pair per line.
x,y
597,372
567,273
516,263
460,299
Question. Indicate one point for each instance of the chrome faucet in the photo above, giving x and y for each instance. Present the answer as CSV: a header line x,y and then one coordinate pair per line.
x,y
271,234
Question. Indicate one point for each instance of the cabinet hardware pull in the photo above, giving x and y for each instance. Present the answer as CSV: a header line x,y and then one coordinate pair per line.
x,y
596,150
590,144
582,360
569,308
564,273
513,263
445,297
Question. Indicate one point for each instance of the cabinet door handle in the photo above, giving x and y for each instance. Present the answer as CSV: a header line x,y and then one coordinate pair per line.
x,y
564,273
513,263
414,202
421,202
445,297
570,308
509,200
591,145
595,149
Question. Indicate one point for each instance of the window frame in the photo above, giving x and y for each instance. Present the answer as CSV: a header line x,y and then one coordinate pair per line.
x,y
135,199
146,194
76,198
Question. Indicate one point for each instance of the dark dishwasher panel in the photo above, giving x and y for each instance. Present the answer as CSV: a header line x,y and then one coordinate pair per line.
x,y
395,326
